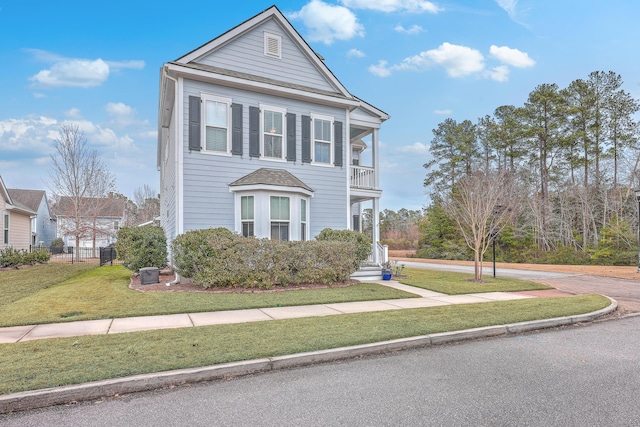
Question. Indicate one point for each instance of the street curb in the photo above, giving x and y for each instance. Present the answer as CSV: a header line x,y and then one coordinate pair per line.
x,y
99,389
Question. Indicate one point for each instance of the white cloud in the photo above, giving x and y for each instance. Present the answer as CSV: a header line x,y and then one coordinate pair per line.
x,y
118,109
499,73
73,72
515,13
445,112
355,53
328,23
380,69
39,95
458,61
76,72
415,148
28,135
415,29
512,57
73,113
413,6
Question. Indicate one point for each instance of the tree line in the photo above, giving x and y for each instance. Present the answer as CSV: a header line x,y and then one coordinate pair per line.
x,y
566,162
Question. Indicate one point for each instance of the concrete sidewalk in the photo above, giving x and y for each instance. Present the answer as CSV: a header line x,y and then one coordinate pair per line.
x,y
133,324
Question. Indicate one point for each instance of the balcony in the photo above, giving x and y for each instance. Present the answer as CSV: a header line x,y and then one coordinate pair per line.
x,y
363,177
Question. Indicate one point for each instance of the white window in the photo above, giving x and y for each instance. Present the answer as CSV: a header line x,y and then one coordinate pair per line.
x,y
272,45
116,225
280,217
273,135
216,123
5,237
303,220
247,216
322,139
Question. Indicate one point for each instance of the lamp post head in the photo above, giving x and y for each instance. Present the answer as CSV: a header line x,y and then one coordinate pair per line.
x,y
637,191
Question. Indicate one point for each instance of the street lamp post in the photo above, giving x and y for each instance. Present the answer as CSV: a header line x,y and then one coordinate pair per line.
x,y
637,191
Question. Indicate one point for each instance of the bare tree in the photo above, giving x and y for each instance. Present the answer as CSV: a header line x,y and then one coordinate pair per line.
x,y
147,204
481,205
80,177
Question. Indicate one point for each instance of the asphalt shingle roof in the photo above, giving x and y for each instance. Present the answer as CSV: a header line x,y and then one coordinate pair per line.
x,y
265,176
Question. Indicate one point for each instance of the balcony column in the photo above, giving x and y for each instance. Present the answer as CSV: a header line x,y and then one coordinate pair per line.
x,y
375,160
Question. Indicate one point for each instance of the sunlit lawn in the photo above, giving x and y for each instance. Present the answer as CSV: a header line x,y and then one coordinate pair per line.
x,y
56,293
453,283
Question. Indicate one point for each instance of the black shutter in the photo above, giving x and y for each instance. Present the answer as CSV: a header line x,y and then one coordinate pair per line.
x,y
291,137
306,139
236,129
337,140
254,132
194,123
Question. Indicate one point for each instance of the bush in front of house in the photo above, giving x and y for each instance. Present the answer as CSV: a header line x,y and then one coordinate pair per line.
x,y
10,257
57,245
140,247
220,258
362,243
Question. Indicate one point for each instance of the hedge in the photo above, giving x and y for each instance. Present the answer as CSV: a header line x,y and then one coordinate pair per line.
x,y
140,247
218,257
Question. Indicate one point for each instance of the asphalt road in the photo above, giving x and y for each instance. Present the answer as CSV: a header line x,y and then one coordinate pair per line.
x,y
585,375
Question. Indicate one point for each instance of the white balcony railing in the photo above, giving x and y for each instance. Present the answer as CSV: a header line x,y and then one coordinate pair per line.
x,y
363,177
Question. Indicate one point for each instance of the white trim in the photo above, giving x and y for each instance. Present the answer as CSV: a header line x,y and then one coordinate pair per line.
x,y
269,40
208,97
179,156
270,188
329,119
347,172
283,111
266,88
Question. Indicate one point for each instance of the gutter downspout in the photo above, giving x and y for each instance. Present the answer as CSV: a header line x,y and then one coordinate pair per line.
x,y
177,163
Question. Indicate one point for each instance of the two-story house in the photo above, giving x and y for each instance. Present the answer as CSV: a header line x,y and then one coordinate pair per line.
x,y
16,221
257,135
43,226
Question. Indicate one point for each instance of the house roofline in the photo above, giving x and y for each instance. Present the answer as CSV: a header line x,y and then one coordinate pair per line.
x,y
261,85
271,12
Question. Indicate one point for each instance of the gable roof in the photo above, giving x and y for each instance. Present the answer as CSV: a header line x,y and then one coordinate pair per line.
x,y
275,177
108,207
12,204
28,198
270,13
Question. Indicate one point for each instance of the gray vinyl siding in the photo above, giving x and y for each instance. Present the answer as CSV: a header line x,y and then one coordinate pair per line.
x,y
246,54
207,199
45,228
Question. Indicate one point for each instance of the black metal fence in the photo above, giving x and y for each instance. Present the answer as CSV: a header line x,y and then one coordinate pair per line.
x,y
72,255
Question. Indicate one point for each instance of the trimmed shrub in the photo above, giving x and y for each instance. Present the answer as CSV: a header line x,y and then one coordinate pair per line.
x,y
219,258
10,257
363,244
140,247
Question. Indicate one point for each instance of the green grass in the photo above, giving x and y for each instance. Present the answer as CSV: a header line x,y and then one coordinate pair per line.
x,y
102,293
452,283
54,362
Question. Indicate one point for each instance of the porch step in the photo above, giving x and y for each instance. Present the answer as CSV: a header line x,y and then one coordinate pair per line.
x,y
369,272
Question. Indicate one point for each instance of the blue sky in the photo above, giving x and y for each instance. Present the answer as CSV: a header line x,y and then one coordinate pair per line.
x,y
97,64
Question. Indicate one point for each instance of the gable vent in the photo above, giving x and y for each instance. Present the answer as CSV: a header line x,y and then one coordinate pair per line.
x,y
272,45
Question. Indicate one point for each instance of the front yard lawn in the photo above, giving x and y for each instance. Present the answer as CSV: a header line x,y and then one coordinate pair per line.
x,y
54,293
452,283
54,362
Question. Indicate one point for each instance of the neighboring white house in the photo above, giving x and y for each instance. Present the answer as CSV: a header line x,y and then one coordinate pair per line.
x,y
91,222
257,135
43,226
15,220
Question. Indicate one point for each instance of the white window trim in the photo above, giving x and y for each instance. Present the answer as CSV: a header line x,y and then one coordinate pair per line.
x,y
306,220
283,111
203,122
253,220
278,39
6,220
330,119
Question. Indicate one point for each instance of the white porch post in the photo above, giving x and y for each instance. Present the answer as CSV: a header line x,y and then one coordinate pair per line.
x,y
375,231
375,159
